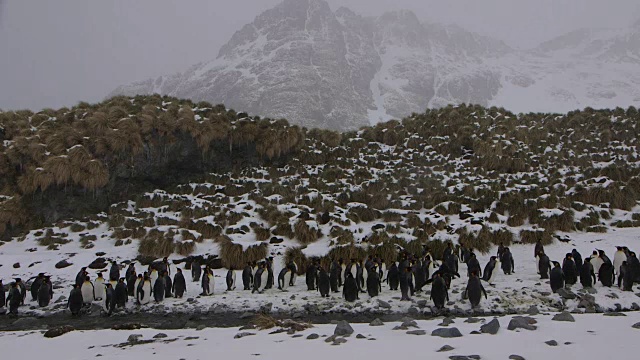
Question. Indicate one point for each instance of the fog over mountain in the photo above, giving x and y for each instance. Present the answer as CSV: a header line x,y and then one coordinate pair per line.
x,y
58,53
320,67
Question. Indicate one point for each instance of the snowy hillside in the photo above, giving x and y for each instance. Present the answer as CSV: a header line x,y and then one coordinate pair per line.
x,y
335,69
190,180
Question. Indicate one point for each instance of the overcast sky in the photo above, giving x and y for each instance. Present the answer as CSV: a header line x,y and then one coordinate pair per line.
x,y
57,52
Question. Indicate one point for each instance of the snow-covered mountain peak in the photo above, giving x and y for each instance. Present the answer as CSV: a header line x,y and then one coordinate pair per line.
x,y
321,68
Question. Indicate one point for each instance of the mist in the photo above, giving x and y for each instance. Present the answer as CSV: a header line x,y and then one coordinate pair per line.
x,y
57,53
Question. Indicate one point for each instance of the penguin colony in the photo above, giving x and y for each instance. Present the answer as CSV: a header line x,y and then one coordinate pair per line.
x,y
410,274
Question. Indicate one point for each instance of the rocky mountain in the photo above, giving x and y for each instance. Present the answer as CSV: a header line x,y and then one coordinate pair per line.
x,y
335,69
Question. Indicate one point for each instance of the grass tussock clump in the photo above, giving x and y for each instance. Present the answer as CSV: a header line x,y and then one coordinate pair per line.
x,y
233,255
387,251
262,234
75,227
265,322
52,241
345,253
156,245
532,236
296,255
362,213
304,233
597,229
185,248
480,241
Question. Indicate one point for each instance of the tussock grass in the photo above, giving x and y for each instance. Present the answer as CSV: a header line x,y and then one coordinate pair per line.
x,y
75,227
233,255
532,236
185,248
156,245
265,322
304,233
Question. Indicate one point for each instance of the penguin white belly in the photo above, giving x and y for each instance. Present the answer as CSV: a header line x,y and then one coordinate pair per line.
x,y
146,296
286,280
434,266
537,264
494,273
211,284
153,277
105,307
354,271
597,262
135,288
343,272
99,289
365,276
263,280
87,293
294,276
233,281
618,259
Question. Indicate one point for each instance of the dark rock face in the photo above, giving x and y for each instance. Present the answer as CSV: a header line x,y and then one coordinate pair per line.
x,y
447,332
343,328
99,263
62,264
491,327
520,322
563,316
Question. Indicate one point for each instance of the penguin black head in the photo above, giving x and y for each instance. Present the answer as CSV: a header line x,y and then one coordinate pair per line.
x,y
556,264
14,284
179,270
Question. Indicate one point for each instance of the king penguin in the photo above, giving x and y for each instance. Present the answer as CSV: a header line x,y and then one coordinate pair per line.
x,y
153,277
491,270
99,286
618,258
88,294
284,277
144,291
231,279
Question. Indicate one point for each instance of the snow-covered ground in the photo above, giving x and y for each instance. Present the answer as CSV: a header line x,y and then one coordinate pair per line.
x,y
511,294
590,337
